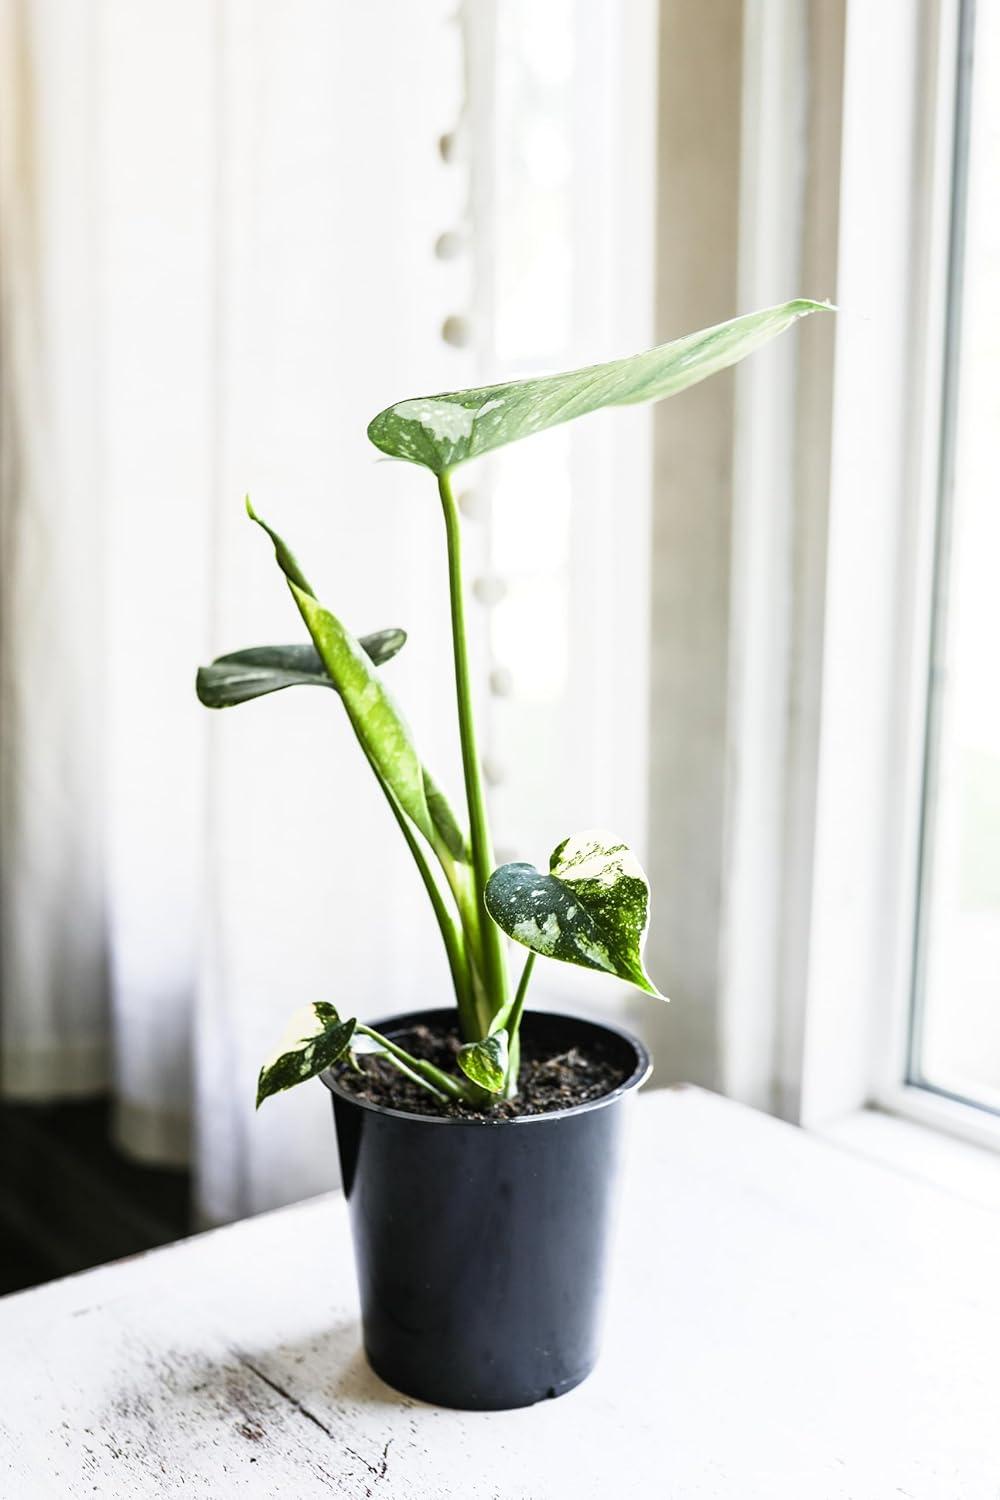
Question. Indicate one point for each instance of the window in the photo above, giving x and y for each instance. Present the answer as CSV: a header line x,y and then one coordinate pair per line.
x,y
954,1045
883,822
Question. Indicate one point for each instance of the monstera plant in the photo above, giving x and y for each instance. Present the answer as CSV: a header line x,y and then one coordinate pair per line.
x,y
591,906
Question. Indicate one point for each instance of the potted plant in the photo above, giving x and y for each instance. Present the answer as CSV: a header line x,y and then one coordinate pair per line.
x,y
478,1143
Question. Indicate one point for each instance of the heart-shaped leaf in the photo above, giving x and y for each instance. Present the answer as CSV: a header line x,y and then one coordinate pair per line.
x,y
241,676
592,908
316,1038
485,1062
440,432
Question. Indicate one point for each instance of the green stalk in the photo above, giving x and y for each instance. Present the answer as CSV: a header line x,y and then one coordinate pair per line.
x,y
458,960
514,1020
424,1083
514,1028
494,962
439,1081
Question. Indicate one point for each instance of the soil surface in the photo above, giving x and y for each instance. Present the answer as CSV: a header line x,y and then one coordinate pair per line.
x,y
546,1081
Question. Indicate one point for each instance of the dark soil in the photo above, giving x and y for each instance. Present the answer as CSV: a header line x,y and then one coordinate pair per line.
x,y
546,1081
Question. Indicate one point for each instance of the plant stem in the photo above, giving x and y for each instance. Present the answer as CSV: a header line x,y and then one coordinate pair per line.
x,y
441,1082
514,1029
494,961
458,959
408,1072
514,1020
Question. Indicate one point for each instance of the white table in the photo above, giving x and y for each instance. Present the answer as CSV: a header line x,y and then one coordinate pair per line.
x,y
788,1320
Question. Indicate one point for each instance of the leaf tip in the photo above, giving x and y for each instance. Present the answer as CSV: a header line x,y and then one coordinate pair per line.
x,y
807,305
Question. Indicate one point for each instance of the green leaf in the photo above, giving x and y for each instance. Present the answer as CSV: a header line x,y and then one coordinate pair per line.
x,y
591,909
314,1041
241,676
374,717
442,431
444,820
500,1019
485,1062
287,561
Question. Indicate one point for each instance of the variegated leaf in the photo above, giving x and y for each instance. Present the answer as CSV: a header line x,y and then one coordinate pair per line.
x,y
442,431
241,676
486,1062
316,1038
592,908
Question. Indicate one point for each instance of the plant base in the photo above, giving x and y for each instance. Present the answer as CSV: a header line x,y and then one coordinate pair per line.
x,y
480,1247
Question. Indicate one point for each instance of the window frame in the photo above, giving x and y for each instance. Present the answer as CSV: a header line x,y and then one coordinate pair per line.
x,y
868,1062
953,272
834,516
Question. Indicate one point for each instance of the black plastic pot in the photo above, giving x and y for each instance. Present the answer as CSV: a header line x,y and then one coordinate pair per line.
x,y
480,1248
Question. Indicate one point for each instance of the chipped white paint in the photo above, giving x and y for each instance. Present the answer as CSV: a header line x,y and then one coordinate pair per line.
x,y
788,1322
446,421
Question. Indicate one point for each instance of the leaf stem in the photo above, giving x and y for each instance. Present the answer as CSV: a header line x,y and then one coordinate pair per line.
x,y
458,959
440,1081
514,1029
491,941
514,1020
424,1083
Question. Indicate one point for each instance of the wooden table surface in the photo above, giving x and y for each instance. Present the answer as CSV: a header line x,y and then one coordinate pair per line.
x,y
787,1320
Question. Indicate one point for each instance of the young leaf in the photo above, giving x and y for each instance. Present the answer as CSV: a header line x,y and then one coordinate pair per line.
x,y
591,909
314,1041
243,675
444,820
374,717
440,432
485,1062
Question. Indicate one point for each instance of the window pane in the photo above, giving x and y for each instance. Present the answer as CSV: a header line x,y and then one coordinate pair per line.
x,y
956,1036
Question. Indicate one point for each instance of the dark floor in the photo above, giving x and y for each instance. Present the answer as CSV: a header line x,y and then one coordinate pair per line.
x,y
69,1200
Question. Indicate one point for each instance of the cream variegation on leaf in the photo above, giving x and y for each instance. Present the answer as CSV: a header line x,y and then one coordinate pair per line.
x,y
592,908
314,1040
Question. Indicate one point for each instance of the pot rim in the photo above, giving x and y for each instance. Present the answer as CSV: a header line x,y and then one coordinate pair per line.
x,y
640,1073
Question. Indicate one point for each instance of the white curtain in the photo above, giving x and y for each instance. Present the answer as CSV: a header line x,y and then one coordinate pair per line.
x,y
218,228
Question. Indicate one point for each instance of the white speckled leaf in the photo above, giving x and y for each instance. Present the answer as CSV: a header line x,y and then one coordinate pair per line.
x,y
241,676
442,431
485,1062
316,1038
591,909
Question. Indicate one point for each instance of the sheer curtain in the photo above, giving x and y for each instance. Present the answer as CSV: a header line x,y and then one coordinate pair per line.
x,y
232,231
218,261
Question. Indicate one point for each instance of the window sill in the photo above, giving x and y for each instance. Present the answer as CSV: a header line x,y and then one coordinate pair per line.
x,y
923,1149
